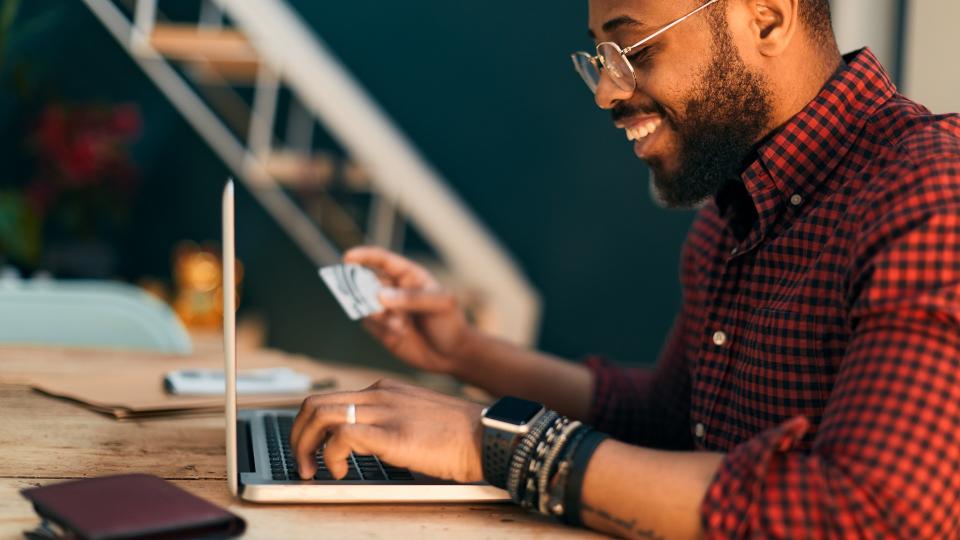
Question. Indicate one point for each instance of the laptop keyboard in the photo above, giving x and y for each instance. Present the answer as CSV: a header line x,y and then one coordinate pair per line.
x,y
283,465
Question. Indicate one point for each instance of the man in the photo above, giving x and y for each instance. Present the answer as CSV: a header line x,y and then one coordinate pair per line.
x,y
809,386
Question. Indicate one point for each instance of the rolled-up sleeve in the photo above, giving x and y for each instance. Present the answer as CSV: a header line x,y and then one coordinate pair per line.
x,y
885,461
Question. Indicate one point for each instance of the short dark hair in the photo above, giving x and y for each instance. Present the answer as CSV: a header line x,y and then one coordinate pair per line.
x,y
816,15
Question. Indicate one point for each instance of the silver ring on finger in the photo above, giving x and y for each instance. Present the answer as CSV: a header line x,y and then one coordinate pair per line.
x,y
352,413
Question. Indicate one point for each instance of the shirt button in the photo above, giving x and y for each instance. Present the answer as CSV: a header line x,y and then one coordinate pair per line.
x,y
719,338
796,199
699,430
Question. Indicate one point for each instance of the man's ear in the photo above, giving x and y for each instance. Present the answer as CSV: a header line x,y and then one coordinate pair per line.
x,y
773,24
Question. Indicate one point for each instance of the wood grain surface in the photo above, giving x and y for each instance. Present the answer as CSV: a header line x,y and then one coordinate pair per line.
x,y
45,440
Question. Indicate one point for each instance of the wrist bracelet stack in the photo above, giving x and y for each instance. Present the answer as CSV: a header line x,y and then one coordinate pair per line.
x,y
522,452
547,465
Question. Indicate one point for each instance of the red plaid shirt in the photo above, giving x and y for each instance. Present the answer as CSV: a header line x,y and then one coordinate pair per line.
x,y
818,343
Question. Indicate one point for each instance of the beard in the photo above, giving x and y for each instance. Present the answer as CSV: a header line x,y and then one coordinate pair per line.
x,y
727,114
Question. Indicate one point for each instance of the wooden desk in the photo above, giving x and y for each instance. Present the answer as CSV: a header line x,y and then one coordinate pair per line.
x,y
45,440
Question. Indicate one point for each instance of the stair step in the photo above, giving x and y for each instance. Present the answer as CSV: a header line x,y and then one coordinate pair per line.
x,y
302,171
218,54
222,72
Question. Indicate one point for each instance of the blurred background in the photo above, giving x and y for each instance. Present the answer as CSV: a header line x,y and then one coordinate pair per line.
x,y
454,132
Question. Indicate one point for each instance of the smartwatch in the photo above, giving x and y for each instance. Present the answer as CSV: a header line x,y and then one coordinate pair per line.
x,y
504,424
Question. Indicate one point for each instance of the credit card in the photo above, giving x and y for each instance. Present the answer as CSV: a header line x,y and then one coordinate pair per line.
x,y
355,287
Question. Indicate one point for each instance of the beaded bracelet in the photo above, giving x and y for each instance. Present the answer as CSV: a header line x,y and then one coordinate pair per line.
x,y
557,491
530,496
523,451
524,462
549,462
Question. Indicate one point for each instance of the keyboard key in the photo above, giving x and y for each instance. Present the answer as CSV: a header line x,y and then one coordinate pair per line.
x,y
374,475
283,464
394,473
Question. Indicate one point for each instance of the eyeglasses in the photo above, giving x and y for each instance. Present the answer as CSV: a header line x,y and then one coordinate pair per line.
x,y
611,58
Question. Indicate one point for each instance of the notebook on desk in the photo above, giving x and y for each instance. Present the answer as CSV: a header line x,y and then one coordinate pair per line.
x,y
260,464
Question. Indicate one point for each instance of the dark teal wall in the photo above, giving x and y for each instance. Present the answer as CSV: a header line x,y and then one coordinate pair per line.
x,y
486,90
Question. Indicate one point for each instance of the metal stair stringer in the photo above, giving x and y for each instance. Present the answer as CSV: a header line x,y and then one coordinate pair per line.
x,y
396,168
400,181
228,148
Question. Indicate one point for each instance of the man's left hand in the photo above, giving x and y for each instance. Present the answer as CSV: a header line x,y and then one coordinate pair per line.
x,y
403,425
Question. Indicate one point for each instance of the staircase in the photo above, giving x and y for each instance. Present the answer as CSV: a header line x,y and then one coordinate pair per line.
x,y
232,71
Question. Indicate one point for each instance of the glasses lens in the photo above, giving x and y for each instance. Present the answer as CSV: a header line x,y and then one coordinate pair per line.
x,y
585,66
617,67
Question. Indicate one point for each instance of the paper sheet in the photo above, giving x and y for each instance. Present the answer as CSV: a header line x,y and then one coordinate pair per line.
x,y
136,390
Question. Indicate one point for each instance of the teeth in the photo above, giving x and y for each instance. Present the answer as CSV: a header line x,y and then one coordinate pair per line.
x,y
640,132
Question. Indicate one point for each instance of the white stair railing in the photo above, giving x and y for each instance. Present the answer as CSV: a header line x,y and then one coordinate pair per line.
x,y
274,48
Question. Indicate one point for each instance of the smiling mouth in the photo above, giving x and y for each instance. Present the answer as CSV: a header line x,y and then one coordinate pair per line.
x,y
641,128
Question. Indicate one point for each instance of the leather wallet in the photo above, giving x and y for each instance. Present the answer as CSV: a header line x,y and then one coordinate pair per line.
x,y
131,506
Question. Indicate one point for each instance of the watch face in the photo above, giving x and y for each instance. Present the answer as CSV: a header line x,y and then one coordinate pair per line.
x,y
513,410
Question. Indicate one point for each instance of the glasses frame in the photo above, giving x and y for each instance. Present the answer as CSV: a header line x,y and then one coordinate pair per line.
x,y
599,63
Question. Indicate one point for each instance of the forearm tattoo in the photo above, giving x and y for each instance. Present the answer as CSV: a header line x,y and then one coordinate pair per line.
x,y
627,526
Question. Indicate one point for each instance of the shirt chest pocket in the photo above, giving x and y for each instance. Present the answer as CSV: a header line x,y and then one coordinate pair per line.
x,y
779,371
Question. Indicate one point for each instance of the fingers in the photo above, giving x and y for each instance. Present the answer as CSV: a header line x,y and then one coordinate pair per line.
x,y
357,438
325,415
396,267
383,332
321,422
432,300
317,401
388,329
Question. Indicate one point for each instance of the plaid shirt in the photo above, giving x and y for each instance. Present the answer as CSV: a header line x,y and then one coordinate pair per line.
x,y
818,343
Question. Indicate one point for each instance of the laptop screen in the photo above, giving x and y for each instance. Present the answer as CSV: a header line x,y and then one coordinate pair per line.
x,y
229,337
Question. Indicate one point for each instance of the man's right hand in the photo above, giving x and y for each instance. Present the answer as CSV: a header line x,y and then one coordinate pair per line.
x,y
422,324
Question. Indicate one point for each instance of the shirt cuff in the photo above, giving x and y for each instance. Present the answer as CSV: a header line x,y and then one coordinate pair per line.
x,y
732,500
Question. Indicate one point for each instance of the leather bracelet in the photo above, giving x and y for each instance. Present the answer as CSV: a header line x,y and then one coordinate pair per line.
x,y
522,453
578,468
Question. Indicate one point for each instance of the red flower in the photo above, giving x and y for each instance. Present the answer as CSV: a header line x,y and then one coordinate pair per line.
x,y
125,122
83,159
52,130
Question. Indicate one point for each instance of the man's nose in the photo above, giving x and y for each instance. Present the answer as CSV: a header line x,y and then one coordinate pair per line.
x,y
608,94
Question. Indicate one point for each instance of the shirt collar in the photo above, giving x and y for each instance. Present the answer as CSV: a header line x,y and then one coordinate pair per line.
x,y
797,160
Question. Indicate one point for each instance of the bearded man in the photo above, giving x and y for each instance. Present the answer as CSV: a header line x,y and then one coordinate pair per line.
x,y
810,384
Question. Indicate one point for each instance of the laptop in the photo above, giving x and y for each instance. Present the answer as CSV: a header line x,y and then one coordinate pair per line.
x,y
260,463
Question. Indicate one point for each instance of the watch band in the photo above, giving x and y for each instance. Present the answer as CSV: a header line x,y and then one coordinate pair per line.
x,y
497,449
504,424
